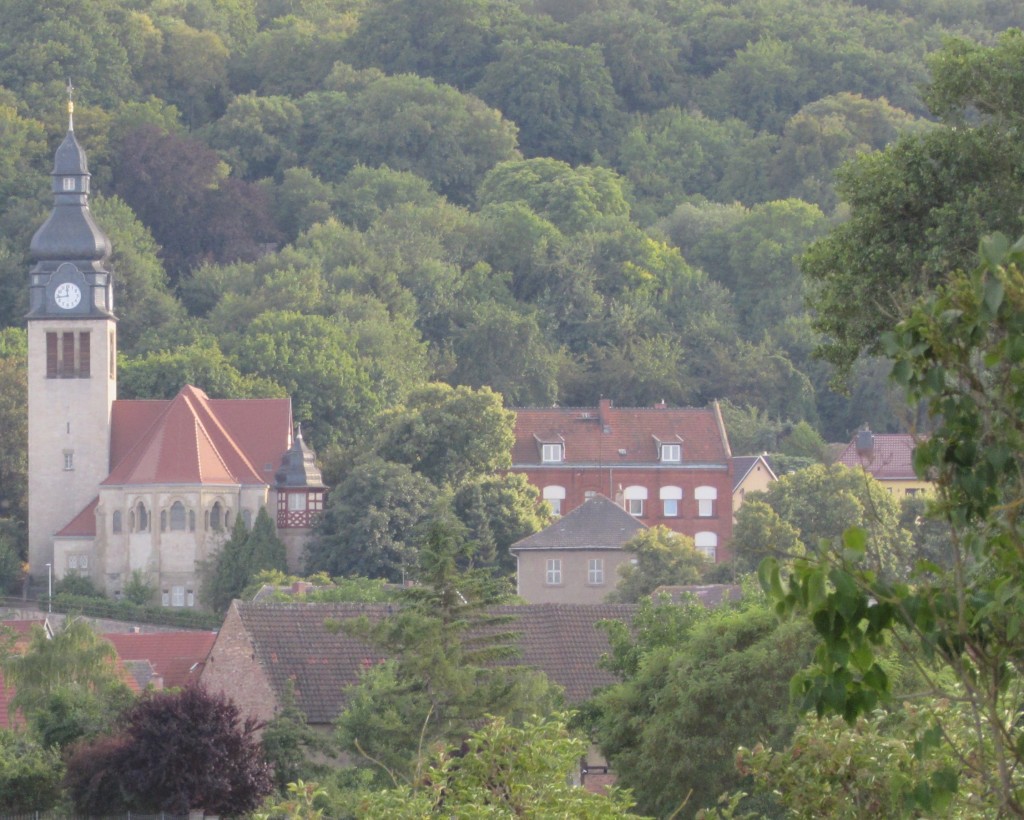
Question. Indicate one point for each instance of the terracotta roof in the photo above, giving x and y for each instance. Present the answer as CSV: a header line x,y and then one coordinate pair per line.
x,y
598,523
620,435
742,465
301,643
177,657
889,456
192,439
83,524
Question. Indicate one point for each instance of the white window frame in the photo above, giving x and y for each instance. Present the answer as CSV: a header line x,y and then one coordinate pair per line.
x,y
554,494
706,498
595,572
178,596
297,502
553,572
552,453
670,498
633,498
635,507
707,543
671,453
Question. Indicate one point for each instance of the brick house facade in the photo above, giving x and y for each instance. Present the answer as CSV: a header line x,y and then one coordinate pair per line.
x,y
667,466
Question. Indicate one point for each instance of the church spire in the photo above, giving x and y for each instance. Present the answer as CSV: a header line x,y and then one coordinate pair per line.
x,y
70,239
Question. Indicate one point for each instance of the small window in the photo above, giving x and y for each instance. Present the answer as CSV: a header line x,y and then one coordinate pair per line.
x,y
116,521
216,517
706,543
177,596
163,520
177,516
142,517
635,506
555,496
191,520
671,453
670,508
910,491
553,576
165,597
296,502
595,571
69,459
83,562
247,519
69,183
73,562
588,494
706,497
551,453
190,598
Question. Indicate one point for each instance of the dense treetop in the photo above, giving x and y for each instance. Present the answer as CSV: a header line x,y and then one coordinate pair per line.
x,y
346,200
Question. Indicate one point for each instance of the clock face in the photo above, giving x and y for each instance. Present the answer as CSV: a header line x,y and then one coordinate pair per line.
x,y
67,295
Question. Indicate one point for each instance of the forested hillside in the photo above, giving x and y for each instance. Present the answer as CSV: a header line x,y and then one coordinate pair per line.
x,y
342,200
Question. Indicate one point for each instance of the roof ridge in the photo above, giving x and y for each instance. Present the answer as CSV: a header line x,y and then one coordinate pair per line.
x,y
204,400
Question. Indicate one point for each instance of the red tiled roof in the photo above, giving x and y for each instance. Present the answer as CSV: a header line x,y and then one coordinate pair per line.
x,y
620,435
178,657
302,644
192,439
891,457
83,524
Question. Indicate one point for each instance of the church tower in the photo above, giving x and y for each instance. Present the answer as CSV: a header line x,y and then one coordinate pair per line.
x,y
72,380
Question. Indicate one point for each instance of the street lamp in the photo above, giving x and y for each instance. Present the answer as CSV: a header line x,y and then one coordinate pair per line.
x,y
49,587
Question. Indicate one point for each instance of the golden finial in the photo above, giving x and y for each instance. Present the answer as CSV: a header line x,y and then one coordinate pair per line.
x,y
71,106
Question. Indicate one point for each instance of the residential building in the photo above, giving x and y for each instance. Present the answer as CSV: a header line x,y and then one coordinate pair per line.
x,y
264,650
888,458
117,486
667,466
175,659
576,559
749,474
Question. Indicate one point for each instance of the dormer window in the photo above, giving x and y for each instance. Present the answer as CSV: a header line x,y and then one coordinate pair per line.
x,y
671,453
550,453
69,183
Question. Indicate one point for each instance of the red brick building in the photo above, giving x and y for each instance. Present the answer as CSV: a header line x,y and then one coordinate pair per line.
x,y
667,466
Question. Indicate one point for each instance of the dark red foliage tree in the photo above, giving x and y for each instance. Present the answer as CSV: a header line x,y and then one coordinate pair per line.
x,y
176,187
176,751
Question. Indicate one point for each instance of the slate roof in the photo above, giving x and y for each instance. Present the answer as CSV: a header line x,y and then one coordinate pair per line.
x,y
609,435
598,523
742,465
890,457
301,643
177,657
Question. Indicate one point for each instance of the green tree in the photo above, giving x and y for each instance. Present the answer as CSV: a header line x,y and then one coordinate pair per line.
x,y
759,532
918,208
291,746
959,351
67,686
449,669
244,554
497,511
503,770
408,123
561,96
30,775
671,728
449,434
367,528
13,426
663,558
819,503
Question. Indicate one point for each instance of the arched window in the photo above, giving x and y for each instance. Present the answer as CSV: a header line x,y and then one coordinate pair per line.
x,y
163,520
177,516
247,519
670,498
216,516
116,522
634,498
191,520
131,520
706,542
142,517
555,496
706,497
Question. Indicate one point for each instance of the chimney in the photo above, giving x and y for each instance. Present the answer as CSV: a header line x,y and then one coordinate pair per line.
x,y
865,444
660,405
301,587
604,407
